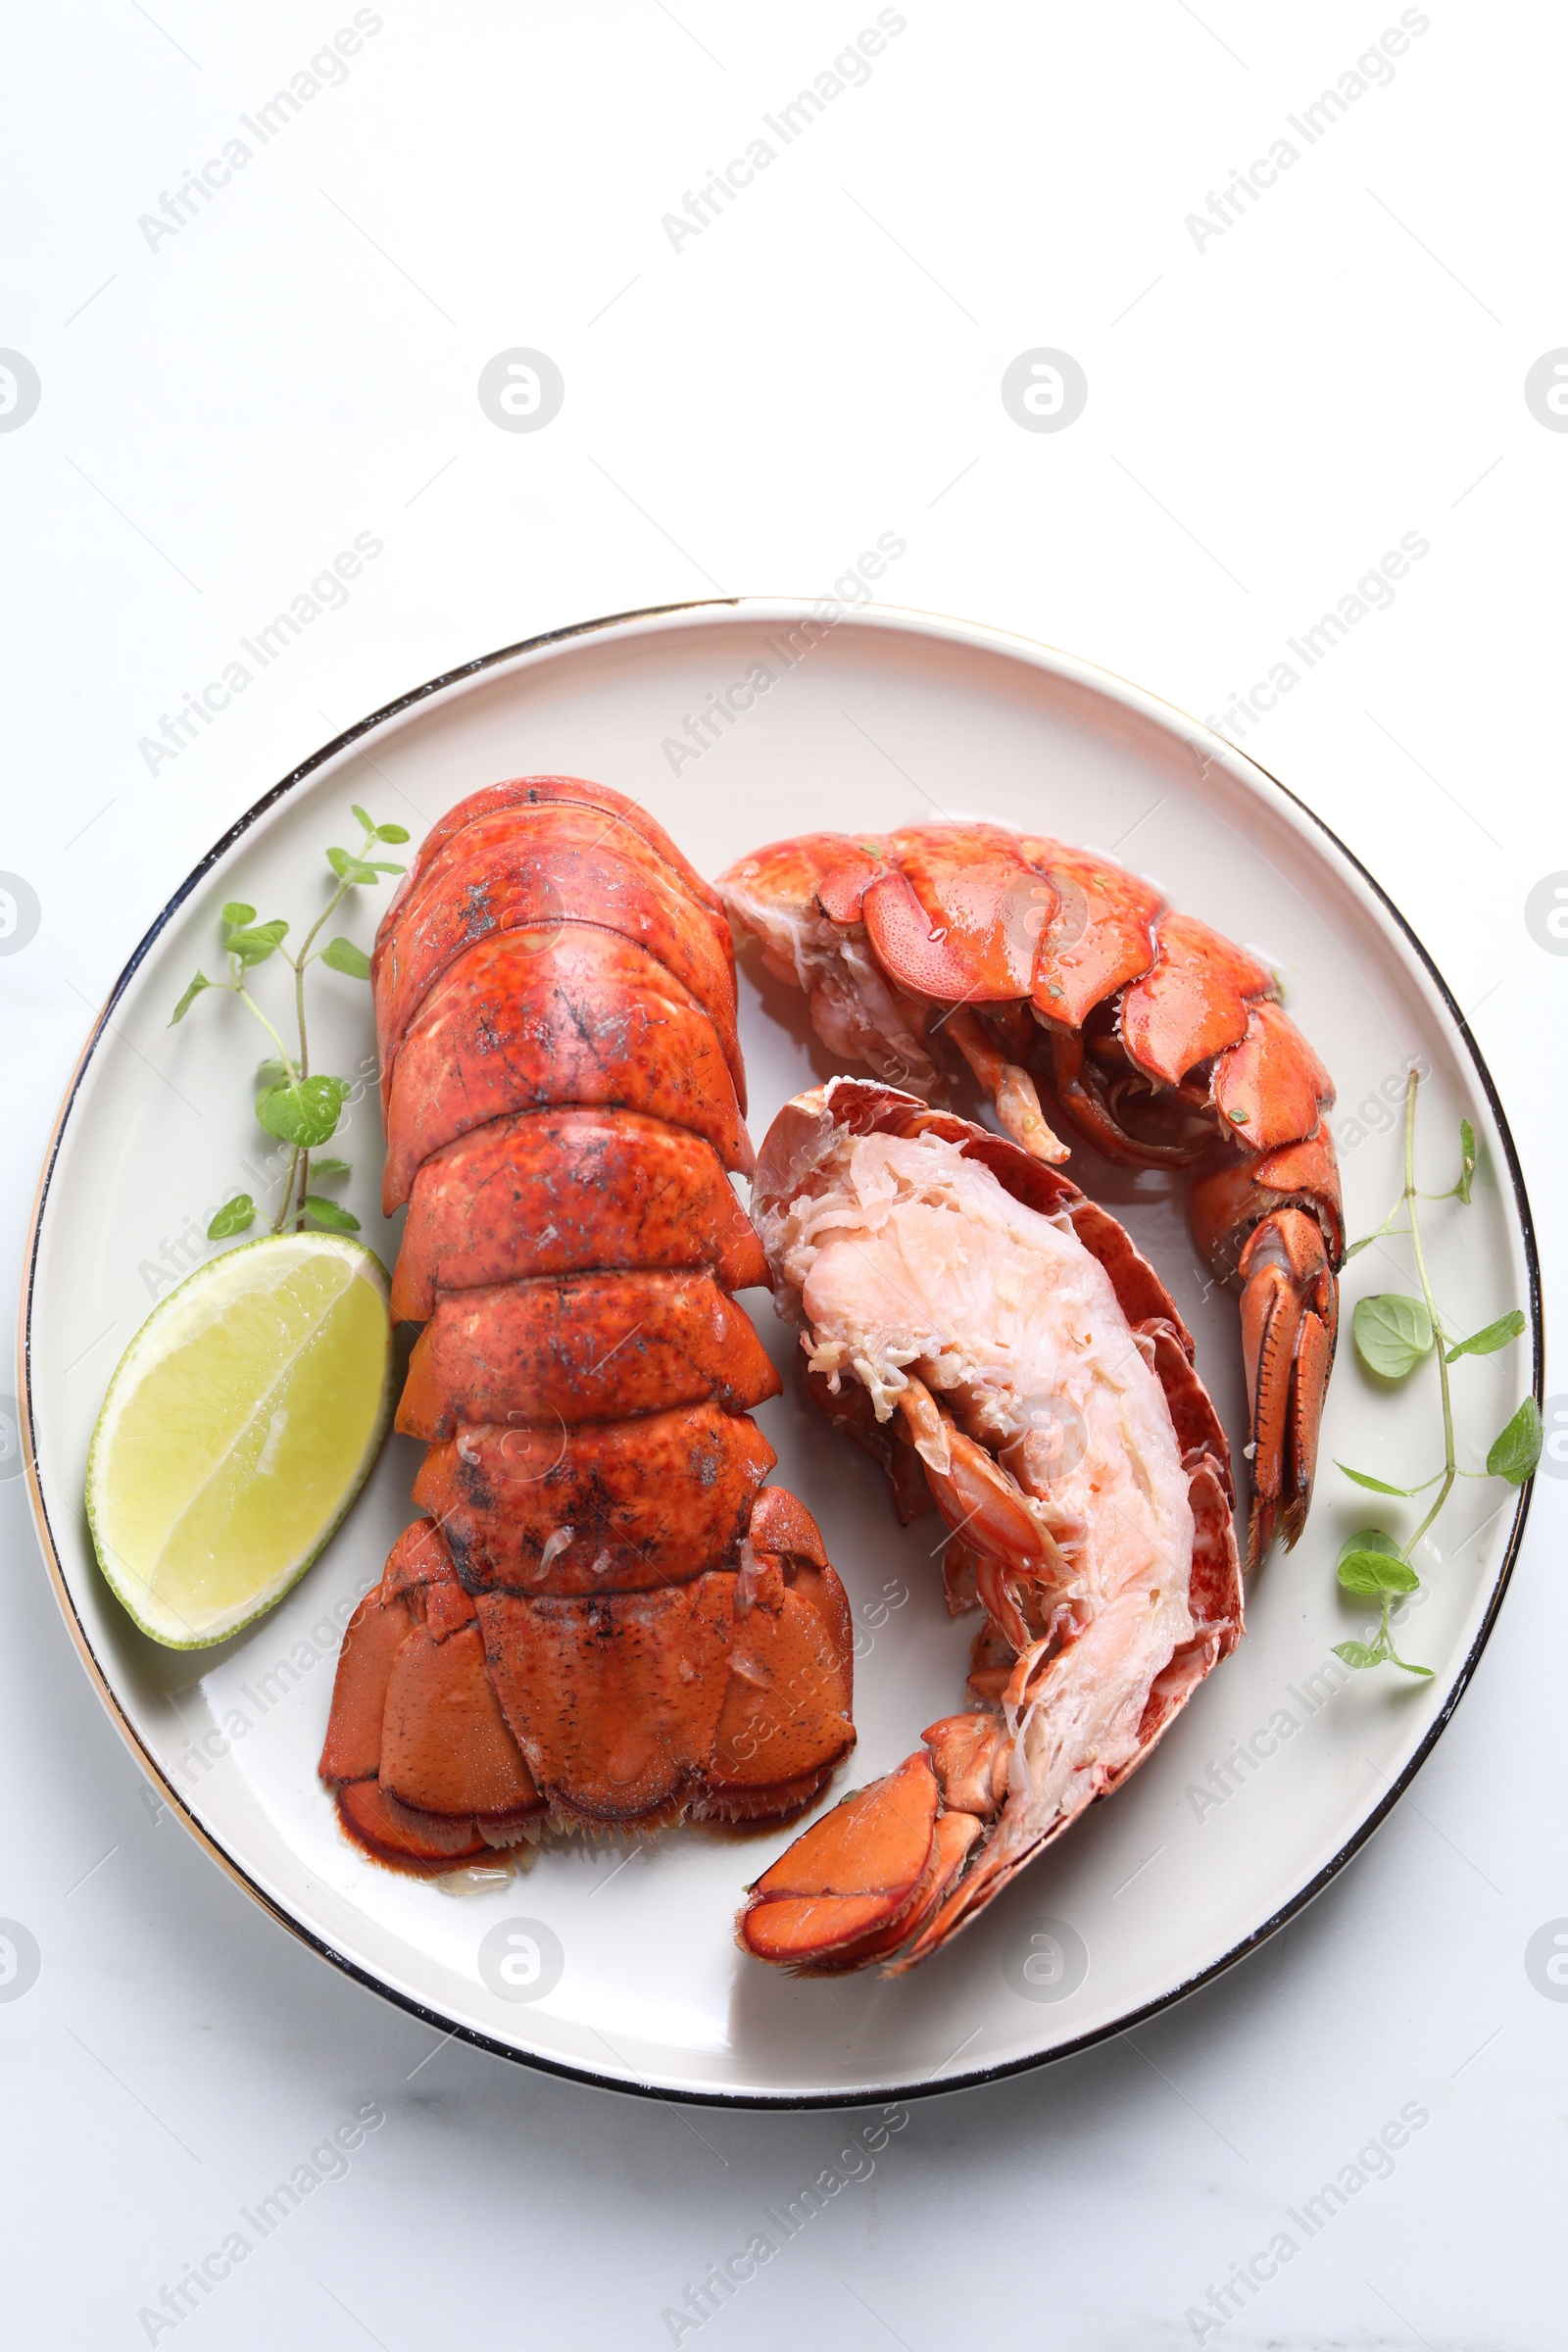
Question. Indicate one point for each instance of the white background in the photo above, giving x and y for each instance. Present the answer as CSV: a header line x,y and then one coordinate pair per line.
x,y
1267,413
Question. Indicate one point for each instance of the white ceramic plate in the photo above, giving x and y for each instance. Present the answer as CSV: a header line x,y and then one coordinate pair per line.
x,y
870,722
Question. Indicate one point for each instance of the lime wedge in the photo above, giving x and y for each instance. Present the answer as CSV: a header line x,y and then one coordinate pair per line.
x,y
240,1424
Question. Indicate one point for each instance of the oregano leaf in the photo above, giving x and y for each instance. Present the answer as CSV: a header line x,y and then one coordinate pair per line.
x,y
1358,1653
200,982
330,1214
236,913
1491,1337
1378,1486
303,1111
1375,1572
1516,1450
1369,1539
342,955
254,942
1393,1333
325,1167
348,868
1467,1162
234,1218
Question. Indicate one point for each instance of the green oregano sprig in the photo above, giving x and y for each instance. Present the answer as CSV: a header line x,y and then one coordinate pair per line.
x,y
1392,1335
294,1106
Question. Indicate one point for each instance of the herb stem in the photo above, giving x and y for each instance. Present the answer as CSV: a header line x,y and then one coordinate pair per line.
x,y
300,961
281,1218
295,1072
245,998
296,1189
1439,1337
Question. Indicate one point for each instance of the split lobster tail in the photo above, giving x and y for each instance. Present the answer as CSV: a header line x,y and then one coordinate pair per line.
x,y
997,1341
1079,1002
606,1621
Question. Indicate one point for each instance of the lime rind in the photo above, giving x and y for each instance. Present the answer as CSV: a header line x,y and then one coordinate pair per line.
x,y
195,1307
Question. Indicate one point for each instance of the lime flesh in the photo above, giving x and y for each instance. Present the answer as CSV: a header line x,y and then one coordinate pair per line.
x,y
240,1424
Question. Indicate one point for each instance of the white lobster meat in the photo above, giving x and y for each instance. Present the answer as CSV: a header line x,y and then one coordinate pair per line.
x,y
965,1308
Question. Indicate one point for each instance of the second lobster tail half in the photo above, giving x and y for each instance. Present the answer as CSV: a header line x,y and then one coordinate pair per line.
x,y
997,1341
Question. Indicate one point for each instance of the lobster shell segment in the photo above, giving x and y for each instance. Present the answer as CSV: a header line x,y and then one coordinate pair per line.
x,y
872,1856
531,1019
591,1347
1193,1005
615,1700
622,816
957,919
426,1772
540,868
1099,935
625,1506
561,1191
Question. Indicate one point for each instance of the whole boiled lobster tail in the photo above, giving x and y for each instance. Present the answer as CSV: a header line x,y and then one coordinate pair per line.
x,y
1071,990
607,1620
997,1341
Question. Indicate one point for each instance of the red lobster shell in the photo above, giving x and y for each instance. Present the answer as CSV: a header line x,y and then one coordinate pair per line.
x,y
605,1598
1057,973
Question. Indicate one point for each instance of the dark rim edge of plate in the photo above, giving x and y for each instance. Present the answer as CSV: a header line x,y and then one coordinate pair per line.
x,y
759,2100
